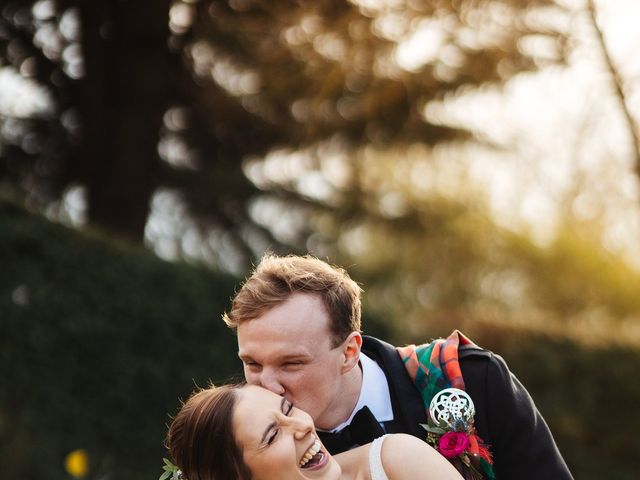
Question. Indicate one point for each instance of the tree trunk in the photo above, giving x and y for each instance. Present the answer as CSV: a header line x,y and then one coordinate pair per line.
x,y
125,94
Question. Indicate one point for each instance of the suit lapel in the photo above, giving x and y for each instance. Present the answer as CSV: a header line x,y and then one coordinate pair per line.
x,y
408,409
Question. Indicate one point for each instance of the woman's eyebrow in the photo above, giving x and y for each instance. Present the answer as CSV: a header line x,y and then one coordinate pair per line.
x,y
272,425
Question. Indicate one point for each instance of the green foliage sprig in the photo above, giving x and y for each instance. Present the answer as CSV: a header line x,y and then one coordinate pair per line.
x,y
171,471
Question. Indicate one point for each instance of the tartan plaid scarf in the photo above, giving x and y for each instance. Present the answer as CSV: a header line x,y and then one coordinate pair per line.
x,y
433,367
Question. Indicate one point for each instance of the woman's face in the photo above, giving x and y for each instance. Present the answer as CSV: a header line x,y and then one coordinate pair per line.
x,y
278,441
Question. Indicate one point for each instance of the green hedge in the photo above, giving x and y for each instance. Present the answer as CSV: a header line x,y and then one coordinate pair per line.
x,y
98,341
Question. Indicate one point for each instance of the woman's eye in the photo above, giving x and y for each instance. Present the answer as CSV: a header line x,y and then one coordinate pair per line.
x,y
288,408
272,437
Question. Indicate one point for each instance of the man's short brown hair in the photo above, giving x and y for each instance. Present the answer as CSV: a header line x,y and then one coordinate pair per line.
x,y
276,278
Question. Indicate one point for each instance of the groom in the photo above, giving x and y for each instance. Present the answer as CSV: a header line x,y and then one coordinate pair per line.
x,y
298,326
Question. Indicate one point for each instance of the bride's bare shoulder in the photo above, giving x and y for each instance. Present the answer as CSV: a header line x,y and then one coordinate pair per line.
x,y
354,463
405,456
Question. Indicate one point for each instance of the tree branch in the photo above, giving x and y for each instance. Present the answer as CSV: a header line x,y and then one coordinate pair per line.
x,y
619,87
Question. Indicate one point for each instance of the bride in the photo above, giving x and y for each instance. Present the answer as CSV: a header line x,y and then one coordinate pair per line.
x,y
243,432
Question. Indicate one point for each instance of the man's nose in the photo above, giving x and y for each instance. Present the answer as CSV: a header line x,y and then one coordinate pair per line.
x,y
270,381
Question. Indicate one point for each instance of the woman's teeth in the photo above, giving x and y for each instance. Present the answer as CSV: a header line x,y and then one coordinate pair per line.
x,y
313,450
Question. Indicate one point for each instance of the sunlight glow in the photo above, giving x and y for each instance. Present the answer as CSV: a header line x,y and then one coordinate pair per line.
x,y
423,46
181,16
43,10
563,148
563,132
20,97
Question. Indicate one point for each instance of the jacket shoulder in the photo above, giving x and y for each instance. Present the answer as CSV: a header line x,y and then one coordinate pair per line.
x,y
373,345
473,351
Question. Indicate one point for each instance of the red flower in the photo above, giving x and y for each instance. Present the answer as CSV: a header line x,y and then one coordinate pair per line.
x,y
452,444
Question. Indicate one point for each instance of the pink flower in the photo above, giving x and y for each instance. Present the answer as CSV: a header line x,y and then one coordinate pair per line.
x,y
452,444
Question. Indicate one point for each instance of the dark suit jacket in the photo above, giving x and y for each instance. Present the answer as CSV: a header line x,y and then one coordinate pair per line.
x,y
506,417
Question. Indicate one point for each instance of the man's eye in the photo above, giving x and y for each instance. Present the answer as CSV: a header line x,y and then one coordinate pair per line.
x,y
293,364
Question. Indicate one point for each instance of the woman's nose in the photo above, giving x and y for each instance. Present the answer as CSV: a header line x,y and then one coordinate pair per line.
x,y
300,423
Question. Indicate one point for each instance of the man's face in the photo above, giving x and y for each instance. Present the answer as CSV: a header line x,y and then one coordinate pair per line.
x,y
288,350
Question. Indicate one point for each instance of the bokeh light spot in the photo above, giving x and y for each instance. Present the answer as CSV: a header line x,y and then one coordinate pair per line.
x,y
76,463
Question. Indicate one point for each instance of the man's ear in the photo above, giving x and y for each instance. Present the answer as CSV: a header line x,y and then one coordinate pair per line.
x,y
351,351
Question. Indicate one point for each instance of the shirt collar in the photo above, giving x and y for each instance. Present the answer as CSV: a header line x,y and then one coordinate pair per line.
x,y
373,394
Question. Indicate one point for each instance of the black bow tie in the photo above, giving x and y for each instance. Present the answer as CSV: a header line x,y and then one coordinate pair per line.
x,y
364,428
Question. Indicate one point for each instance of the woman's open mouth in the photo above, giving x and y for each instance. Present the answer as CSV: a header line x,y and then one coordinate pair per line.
x,y
314,457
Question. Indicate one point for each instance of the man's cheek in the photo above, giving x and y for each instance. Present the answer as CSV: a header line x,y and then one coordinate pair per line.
x,y
251,378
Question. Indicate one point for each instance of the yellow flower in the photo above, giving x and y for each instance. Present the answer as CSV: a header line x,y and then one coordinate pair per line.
x,y
77,463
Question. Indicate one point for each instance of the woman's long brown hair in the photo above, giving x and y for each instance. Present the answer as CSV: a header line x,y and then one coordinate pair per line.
x,y
201,439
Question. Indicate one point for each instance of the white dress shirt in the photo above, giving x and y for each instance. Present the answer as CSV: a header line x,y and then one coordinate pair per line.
x,y
373,394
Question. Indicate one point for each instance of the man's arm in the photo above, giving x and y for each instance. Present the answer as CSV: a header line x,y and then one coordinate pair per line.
x,y
521,441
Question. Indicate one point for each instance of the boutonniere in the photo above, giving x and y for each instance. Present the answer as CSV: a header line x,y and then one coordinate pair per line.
x,y
451,432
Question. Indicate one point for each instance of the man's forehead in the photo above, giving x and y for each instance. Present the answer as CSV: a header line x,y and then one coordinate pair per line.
x,y
287,323
283,347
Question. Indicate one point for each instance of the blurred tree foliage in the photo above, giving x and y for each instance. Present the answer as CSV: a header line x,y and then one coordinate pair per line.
x,y
432,257
447,264
98,342
157,96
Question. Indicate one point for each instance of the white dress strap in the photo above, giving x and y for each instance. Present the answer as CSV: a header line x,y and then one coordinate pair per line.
x,y
375,460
